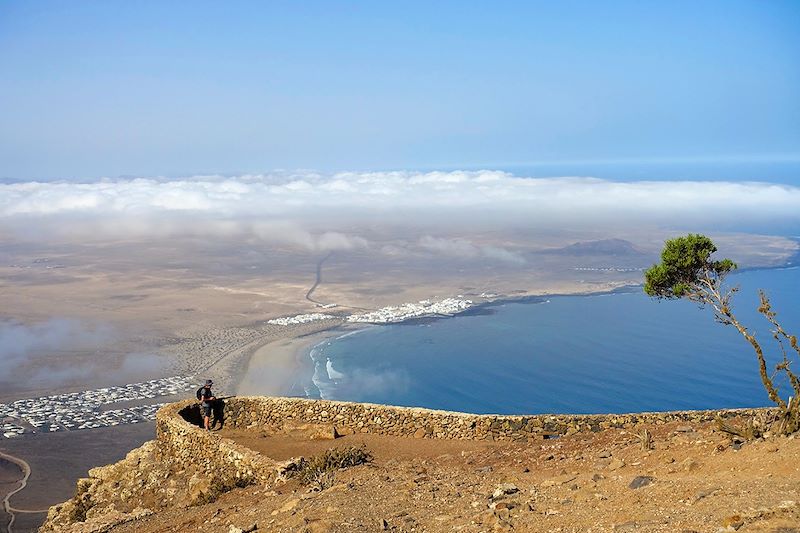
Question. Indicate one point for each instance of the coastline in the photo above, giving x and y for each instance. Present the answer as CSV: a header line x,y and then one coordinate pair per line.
x,y
16,474
277,362
791,262
282,364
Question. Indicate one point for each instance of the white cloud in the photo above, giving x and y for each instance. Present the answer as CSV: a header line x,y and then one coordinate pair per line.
x,y
370,196
466,249
339,241
63,351
291,233
501,254
46,352
452,247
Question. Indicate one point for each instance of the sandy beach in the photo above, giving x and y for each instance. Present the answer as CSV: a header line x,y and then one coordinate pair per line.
x,y
101,321
274,369
283,367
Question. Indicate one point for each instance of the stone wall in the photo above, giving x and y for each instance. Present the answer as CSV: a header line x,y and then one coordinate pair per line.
x,y
187,465
226,464
184,466
346,417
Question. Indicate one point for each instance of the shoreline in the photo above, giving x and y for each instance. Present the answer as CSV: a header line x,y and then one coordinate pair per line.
x,y
277,363
287,356
302,349
288,349
291,348
280,366
22,482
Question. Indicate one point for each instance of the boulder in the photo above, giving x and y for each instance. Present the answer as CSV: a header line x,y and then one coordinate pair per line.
x,y
640,481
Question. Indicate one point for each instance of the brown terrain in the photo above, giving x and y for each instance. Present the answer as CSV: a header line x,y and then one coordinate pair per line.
x,y
135,310
147,309
693,478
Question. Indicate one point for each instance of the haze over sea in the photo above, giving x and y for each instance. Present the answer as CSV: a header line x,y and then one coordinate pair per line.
x,y
612,353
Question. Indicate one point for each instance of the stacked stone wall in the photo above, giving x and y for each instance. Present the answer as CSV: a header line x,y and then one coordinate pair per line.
x,y
221,461
187,465
268,412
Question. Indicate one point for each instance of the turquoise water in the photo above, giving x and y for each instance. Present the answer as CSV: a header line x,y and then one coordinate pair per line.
x,y
571,354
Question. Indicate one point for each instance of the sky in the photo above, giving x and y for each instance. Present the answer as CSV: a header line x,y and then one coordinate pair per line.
x,y
151,88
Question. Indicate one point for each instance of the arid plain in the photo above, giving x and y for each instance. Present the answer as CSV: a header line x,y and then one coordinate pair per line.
x,y
109,312
139,309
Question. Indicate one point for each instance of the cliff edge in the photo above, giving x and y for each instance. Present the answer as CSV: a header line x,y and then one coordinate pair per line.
x,y
440,471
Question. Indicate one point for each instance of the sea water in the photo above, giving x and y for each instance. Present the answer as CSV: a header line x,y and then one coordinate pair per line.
x,y
611,353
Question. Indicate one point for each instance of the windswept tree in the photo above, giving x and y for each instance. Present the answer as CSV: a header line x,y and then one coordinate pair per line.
x,y
687,271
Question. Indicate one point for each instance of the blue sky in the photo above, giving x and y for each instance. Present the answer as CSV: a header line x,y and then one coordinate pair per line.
x,y
177,88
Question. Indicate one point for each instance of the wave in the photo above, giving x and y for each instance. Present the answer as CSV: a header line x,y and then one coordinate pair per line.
x,y
320,380
352,333
333,374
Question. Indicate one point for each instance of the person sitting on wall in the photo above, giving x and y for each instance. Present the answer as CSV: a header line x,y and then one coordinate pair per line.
x,y
207,401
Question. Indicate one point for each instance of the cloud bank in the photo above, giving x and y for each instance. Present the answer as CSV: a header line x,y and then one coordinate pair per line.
x,y
466,249
18,341
61,351
282,206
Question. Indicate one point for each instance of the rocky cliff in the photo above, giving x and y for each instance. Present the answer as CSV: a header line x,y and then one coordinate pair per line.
x,y
442,470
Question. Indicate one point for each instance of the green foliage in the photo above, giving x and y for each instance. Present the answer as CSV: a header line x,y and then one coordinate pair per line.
x,y
685,261
687,271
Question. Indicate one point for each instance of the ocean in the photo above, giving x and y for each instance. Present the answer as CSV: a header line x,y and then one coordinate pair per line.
x,y
612,353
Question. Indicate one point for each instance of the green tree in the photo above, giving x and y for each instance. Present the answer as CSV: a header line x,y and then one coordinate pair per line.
x,y
687,271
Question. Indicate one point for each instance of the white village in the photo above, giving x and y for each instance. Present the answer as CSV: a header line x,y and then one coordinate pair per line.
x,y
610,269
424,308
387,315
84,410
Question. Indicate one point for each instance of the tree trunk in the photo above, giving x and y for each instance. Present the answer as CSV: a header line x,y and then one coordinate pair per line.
x,y
762,363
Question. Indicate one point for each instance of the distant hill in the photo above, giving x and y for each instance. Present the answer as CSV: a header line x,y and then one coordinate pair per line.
x,y
615,247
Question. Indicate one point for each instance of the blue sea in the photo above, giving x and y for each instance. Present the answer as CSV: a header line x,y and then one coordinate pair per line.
x,y
612,353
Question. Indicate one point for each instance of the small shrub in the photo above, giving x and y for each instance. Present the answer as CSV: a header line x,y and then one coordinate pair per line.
x,y
320,479
318,470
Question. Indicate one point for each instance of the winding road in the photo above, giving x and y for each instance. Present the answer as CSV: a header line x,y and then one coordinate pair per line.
x,y
318,280
26,473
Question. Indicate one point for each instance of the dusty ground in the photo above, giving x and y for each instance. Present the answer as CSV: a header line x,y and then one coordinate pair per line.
x,y
115,312
160,307
694,479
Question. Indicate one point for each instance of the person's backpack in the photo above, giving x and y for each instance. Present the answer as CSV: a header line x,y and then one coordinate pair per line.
x,y
200,393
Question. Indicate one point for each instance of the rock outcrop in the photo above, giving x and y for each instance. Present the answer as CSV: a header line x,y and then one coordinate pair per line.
x,y
188,466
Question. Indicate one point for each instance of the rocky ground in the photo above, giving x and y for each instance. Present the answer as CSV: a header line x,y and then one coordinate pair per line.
x,y
691,479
